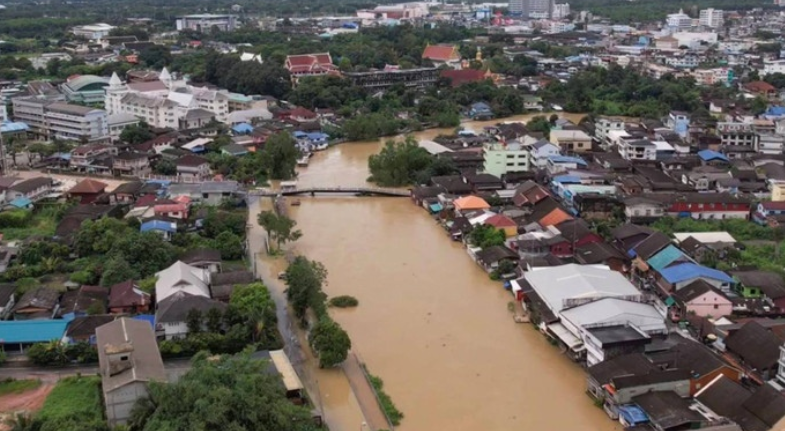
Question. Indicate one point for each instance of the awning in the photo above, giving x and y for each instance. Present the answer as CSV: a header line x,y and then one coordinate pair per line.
x,y
435,208
669,301
567,337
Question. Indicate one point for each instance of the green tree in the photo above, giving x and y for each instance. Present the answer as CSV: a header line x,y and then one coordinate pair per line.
x,y
279,156
256,309
214,320
539,124
280,227
330,342
399,164
230,246
156,56
164,167
193,321
229,393
305,279
484,236
116,271
136,133
51,353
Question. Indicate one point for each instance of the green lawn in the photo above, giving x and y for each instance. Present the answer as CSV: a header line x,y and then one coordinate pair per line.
x,y
74,397
11,386
42,224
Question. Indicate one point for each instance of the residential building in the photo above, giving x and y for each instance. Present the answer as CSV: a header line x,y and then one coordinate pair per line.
x,y
206,22
193,168
758,409
603,126
128,360
85,156
171,315
205,258
772,66
303,65
761,88
676,277
702,299
758,347
166,229
480,111
87,190
761,284
37,303
82,328
19,335
180,277
128,298
131,163
711,17
500,159
541,151
61,120
679,21
532,9
118,122
571,141
679,122
32,189
707,206
637,149
607,341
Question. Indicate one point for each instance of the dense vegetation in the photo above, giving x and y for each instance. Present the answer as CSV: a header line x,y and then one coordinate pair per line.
x,y
390,410
229,393
404,163
73,405
620,91
279,227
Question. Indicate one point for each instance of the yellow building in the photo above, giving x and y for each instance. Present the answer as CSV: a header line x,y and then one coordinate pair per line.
x,y
778,192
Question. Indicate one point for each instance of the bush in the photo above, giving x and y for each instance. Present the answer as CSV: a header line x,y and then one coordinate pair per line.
x,y
344,301
390,410
15,218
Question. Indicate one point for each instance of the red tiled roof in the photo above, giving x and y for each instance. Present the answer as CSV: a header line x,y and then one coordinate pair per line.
x,y
309,62
191,160
301,113
500,221
125,295
760,87
88,186
145,200
463,76
170,208
441,52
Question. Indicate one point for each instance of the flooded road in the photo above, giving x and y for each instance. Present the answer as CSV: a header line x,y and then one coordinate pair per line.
x,y
430,322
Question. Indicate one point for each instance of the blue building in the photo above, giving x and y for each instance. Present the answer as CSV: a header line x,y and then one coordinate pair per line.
x,y
480,111
679,122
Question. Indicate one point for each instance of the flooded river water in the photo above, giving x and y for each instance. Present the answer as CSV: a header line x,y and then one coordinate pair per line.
x,y
430,322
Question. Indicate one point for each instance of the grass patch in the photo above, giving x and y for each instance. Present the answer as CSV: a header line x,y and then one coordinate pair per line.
x,y
392,412
13,386
74,398
43,223
344,301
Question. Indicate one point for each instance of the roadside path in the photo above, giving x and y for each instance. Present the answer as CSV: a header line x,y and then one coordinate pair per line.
x,y
363,391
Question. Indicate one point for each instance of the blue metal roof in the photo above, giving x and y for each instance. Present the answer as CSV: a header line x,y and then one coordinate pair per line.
x,y
243,128
435,207
158,225
572,179
299,134
775,111
633,414
687,271
31,331
21,202
568,159
11,126
708,155
147,318
665,257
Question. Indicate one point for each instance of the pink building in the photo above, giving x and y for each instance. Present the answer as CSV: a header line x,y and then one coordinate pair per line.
x,y
702,299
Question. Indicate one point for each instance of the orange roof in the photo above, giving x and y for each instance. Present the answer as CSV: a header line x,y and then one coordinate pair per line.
x,y
500,221
441,52
183,199
554,217
471,203
88,186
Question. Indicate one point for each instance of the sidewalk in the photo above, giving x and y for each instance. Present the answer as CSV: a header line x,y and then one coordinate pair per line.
x,y
364,392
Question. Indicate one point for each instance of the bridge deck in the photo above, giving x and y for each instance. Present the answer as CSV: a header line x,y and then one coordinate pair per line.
x,y
367,191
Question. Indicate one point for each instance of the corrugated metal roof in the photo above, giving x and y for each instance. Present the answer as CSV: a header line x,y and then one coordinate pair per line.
x,y
31,331
665,257
290,379
10,126
687,271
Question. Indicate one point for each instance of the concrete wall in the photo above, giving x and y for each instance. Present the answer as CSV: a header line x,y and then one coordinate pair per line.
x,y
120,401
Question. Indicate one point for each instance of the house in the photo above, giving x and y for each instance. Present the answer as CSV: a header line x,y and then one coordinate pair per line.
x,y
578,233
470,203
18,335
171,313
601,253
758,347
758,409
204,258
452,184
82,328
668,411
764,210
87,190
479,111
702,299
131,163
166,229
601,374
216,192
642,210
38,303
708,206
529,193
128,298
492,257
678,276
82,301
608,340
32,189
755,284
761,88
547,212
504,223
180,277
571,141
178,211
127,193
128,359
541,151
222,283
626,236
442,55
310,65
192,168
234,150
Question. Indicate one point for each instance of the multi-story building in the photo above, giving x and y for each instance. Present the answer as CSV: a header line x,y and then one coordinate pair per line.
x,y
711,18
85,155
118,122
533,8
571,141
683,61
737,134
561,11
679,122
770,143
300,66
604,125
206,22
383,79
93,31
773,66
50,120
637,149
165,102
500,159
131,163
679,21
88,89
708,77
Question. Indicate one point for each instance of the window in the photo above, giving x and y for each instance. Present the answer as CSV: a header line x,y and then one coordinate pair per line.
x,y
716,306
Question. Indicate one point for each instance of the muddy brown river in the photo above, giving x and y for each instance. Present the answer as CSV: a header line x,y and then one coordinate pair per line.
x,y
430,322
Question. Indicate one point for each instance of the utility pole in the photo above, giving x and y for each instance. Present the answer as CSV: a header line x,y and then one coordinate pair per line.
x,y
3,163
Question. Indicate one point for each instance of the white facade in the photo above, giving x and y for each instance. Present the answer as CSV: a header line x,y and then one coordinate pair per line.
x,y
500,159
181,277
679,20
93,31
561,10
61,120
637,149
605,125
206,22
163,103
774,66
711,18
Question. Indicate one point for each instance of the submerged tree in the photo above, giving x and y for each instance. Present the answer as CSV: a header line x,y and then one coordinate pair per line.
x,y
280,227
279,156
399,163
330,342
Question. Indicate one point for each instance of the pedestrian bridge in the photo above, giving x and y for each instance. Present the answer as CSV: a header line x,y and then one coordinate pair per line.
x,y
325,191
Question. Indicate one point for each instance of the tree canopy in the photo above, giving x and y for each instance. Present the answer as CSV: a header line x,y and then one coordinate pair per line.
x,y
279,156
279,227
400,163
484,236
330,342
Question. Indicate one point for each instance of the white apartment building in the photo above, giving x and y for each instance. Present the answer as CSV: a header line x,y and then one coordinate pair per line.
x,y
206,22
637,149
561,10
605,125
711,18
773,66
166,102
51,119
679,20
500,159
734,133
